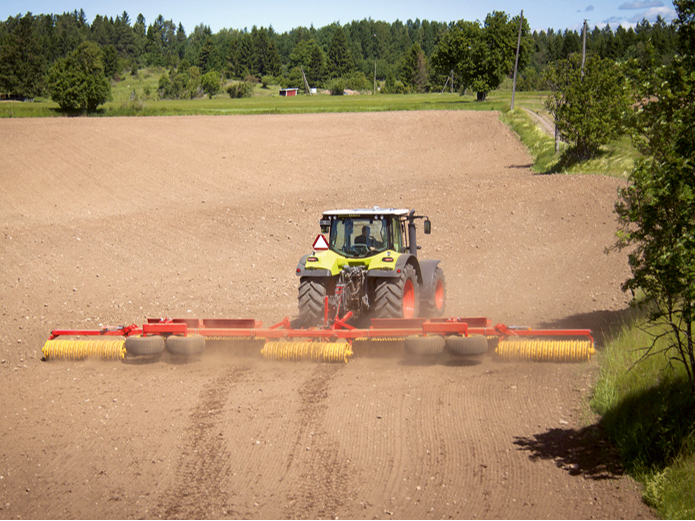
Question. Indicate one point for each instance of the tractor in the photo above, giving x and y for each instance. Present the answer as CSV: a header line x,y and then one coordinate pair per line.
x,y
368,268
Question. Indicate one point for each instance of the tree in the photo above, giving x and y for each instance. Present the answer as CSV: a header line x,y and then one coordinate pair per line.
x,y
78,81
110,61
656,210
274,65
482,56
339,58
210,83
205,54
415,68
21,61
589,109
308,55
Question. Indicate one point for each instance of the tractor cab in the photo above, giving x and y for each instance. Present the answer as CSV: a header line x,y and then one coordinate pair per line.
x,y
364,233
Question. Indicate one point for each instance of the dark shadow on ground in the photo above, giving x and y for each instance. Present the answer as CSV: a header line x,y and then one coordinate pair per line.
x,y
527,166
580,452
605,325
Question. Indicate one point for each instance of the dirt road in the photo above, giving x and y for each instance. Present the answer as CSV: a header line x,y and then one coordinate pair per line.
x,y
109,221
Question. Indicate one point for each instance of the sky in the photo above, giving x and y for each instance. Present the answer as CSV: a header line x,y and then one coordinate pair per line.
x,y
284,15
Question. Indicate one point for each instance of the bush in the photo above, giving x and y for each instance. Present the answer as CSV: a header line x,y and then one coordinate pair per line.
x,y
359,81
78,81
268,80
337,87
243,89
210,83
589,108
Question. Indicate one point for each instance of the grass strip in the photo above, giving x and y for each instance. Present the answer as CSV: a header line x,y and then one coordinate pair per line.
x,y
649,414
615,159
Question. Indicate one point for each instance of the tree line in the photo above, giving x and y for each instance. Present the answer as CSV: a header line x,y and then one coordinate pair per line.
x,y
414,56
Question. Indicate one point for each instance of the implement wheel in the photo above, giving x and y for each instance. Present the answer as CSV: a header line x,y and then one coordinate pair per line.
x,y
466,345
435,306
398,297
185,345
424,345
144,345
312,293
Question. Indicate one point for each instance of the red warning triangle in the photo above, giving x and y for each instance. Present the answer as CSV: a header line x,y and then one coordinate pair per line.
x,y
320,243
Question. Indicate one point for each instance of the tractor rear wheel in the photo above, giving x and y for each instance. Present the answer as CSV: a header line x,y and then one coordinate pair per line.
x,y
312,295
398,297
435,306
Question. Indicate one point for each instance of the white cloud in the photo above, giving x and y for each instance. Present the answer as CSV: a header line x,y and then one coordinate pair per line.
x,y
666,13
613,20
640,5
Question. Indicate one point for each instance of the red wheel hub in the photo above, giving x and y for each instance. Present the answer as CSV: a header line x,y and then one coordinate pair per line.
x,y
408,299
439,295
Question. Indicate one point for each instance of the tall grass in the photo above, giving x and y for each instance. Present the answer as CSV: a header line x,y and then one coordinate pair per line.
x,y
615,159
649,413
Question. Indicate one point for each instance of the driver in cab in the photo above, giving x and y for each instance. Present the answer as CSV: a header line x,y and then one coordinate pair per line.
x,y
364,237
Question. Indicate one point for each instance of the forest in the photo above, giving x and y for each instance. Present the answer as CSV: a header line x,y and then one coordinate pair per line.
x,y
403,56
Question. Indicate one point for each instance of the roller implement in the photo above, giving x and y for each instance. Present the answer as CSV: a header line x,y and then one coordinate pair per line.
x,y
419,336
363,291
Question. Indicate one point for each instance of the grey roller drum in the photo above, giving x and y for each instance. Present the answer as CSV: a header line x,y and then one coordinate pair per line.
x,y
137,345
466,345
424,345
185,345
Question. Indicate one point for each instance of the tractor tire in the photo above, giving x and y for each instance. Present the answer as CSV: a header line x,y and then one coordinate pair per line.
x,y
435,306
424,345
312,293
144,345
466,345
190,345
398,297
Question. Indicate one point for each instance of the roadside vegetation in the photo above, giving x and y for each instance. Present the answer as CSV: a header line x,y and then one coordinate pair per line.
x,y
647,411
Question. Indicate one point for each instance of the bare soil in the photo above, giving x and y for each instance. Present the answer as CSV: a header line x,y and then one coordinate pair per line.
x,y
110,221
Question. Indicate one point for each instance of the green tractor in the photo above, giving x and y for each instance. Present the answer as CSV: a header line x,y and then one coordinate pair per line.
x,y
368,268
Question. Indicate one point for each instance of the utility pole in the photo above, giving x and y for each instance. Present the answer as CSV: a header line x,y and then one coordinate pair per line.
x,y
306,83
516,62
375,66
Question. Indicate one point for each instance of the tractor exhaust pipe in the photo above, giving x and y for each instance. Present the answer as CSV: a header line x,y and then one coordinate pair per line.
x,y
412,235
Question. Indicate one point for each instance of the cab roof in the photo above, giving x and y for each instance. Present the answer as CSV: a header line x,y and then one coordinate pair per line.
x,y
368,211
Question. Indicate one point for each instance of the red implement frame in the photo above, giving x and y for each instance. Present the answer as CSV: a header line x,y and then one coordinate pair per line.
x,y
380,328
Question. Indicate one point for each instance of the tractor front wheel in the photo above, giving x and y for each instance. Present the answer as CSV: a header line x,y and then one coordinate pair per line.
x,y
398,297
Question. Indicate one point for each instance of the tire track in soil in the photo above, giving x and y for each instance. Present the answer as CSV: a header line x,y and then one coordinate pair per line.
x,y
323,478
205,459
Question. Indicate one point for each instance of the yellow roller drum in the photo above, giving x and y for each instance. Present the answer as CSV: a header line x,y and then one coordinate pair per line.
x,y
81,349
546,350
377,347
311,351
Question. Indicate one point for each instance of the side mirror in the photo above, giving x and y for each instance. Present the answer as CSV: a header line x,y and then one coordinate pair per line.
x,y
325,225
428,227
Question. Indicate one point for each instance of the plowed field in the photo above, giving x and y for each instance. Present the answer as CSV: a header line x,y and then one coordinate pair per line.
x,y
110,221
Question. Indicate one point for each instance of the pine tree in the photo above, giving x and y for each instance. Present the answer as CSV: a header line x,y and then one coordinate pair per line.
x,y
21,61
340,62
